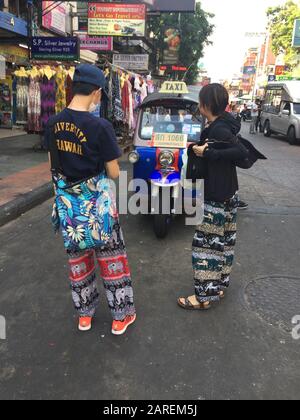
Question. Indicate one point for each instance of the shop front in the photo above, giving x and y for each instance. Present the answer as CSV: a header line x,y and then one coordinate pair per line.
x,y
12,58
13,54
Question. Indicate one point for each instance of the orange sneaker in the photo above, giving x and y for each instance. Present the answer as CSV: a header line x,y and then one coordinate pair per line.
x,y
120,327
85,323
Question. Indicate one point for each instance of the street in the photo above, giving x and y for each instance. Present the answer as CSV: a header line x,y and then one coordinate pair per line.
x,y
241,349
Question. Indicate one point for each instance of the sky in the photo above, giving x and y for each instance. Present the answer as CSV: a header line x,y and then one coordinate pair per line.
x,y
233,19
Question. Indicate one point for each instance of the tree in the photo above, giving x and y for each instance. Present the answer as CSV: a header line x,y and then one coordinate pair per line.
x,y
281,22
195,32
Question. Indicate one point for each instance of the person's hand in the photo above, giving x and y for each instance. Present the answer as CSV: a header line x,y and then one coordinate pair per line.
x,y
199,150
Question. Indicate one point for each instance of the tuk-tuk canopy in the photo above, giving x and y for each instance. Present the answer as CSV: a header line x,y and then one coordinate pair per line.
x,y
171,100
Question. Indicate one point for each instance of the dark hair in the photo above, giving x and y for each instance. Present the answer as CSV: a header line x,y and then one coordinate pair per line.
x,y
215,98
84,89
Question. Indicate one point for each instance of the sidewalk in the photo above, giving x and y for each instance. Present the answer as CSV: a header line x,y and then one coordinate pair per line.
x,y
24,175
15,132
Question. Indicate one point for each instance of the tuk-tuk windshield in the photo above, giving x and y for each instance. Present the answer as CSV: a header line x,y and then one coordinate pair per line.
x,y
172,121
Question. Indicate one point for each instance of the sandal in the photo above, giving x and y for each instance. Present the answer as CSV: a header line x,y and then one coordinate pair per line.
x,y
204,306
222,295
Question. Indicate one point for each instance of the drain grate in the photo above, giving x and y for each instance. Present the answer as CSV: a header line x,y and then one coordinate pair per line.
x,y
275,299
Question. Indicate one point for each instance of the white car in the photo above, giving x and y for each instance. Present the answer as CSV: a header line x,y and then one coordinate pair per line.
x,y
281,110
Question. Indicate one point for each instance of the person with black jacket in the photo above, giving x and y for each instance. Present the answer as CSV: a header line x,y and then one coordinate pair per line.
x,y
215,239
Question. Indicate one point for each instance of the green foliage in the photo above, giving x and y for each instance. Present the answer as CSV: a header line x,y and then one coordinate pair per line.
x,y
195,32
281,20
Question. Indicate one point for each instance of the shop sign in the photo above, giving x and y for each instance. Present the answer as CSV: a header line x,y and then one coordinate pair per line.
x,y
138,62
249,70
2,68
173,68
55,20
296,35
168,5
12,23
272,78
93,43
174,88
57,49
126,20
168,140
13,50
172,46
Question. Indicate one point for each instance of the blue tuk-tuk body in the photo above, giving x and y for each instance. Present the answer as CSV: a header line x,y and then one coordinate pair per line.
x,y
161,167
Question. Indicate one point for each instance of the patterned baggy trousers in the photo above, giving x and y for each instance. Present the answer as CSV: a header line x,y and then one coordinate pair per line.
x,y
213,249
114,270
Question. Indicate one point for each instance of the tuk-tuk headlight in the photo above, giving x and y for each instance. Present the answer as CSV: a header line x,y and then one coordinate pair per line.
x,y
133,157
166,159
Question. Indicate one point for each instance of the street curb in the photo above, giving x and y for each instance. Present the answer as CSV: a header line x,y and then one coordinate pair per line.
x,y
25,202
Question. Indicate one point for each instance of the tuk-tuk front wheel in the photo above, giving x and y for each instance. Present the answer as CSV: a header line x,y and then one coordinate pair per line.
x,y
161,225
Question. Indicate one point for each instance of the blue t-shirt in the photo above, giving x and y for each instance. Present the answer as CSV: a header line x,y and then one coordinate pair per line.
x,y
85,143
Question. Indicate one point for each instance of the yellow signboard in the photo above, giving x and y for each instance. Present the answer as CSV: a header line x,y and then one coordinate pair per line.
x,y
174,87
170,141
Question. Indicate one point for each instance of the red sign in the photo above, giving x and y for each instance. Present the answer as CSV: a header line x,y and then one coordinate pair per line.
x,y
279,70
178,68
173,68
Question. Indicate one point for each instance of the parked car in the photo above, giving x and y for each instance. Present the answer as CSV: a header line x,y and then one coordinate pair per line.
x,y
281,110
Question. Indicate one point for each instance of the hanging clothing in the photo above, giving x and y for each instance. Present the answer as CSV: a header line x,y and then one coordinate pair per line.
x,y
131,121
213,249
61,96
48,100
34,106
69,93
22,100
125,102
117,98
114,270
144,91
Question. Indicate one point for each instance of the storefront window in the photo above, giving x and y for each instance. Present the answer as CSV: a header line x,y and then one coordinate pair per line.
x,y
18,8
13,7
23,10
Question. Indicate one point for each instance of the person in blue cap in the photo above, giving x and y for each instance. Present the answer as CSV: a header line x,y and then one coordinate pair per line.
x,y
84,147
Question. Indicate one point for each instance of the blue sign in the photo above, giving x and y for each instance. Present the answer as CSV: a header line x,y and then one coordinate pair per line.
x,y
13,24
249,70
272,78
57,49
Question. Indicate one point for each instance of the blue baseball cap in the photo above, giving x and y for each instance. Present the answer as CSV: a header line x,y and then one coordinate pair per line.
x,y
87,73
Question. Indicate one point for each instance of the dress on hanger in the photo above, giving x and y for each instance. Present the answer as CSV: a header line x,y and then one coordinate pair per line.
x,y
48,100
61,96
34,106
22,100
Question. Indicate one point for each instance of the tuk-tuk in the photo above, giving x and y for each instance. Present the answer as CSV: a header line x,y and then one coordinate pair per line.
x,y
168,122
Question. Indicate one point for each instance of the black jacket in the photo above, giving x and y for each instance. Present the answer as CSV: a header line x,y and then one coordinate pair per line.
x,y
221,181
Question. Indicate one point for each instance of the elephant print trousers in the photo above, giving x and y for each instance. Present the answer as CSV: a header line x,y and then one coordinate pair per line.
x,y
115,273
213,249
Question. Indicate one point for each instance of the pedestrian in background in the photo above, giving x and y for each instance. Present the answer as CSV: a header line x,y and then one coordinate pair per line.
x,y
84,153
254,117
215,239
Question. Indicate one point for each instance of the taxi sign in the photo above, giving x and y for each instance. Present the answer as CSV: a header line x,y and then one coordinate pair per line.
x,y
168,140
174,88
